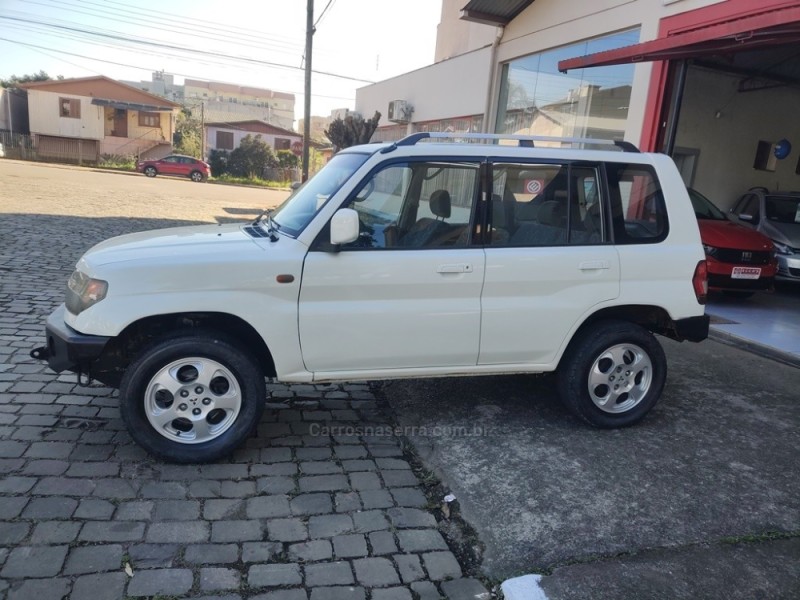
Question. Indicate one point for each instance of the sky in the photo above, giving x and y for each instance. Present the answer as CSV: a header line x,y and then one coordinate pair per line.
x,y
244,42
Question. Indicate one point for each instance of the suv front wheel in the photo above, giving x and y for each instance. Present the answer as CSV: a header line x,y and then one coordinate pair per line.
x,y
193,398
612,374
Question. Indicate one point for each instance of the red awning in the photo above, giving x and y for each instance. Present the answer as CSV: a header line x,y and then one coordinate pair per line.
x,y
770,27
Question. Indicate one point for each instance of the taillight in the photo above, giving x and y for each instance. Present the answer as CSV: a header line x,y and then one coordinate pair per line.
x,y
700,282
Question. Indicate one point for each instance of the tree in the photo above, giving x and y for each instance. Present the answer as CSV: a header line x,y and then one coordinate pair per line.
x,y
351,131
218,161
15,80
188,134
251,158
287,159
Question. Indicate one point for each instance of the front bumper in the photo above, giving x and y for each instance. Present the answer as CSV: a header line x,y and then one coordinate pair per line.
x,y
789,267
67,349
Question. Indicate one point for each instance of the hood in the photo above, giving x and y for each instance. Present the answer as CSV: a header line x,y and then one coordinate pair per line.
x,y
194,241
726,234
785,233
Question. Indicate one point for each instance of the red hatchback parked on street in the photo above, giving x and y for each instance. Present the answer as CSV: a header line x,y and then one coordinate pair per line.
x,y
176,164
740,261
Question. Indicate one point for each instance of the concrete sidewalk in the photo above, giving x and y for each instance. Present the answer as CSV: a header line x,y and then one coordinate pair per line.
x,y
715,460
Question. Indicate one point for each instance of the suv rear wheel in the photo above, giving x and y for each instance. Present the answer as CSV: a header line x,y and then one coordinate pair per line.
x,y
192,398
612,374
196,176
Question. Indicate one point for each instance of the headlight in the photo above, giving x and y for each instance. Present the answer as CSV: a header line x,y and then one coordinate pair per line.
x,y
782,248
710,250
83,292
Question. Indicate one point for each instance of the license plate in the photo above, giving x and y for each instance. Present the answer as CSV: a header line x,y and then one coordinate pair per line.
x,y
745,273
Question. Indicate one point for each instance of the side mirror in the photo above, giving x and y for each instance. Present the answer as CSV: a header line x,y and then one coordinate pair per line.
x,y
296,185
344,226
746,217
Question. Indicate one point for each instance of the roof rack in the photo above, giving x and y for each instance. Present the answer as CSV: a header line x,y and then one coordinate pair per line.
x,y
525,141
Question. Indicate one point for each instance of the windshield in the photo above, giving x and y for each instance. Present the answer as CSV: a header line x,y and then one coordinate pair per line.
x,y
783,209
297,211
703,208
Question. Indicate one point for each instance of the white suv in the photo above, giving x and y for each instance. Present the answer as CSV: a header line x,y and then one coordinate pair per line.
x,y
397,260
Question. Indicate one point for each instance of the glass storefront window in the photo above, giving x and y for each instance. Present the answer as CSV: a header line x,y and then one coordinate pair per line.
x,y
536,99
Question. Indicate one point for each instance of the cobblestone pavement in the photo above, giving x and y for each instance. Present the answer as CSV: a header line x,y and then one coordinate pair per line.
x,y
291,516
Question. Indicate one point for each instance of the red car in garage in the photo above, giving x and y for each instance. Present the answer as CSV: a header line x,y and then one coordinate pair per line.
x,y
740,261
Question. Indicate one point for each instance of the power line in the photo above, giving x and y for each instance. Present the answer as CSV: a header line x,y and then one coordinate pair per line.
x,y
324,10
119,37
119,64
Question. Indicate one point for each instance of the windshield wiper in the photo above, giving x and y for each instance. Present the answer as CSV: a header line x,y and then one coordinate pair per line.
x,y
271,225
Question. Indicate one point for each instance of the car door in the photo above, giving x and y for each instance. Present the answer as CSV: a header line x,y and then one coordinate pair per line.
x,y
406,293
548,260
168,165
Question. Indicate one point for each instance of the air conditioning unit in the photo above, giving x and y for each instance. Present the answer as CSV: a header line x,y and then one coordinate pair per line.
x,y
400,111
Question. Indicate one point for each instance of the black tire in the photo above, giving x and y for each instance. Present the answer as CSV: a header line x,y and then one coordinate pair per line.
x,y
139,397
150,171
741,295
196,176
608,346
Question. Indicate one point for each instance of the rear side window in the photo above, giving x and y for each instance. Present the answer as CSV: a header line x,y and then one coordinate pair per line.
x,y
639,213
545,205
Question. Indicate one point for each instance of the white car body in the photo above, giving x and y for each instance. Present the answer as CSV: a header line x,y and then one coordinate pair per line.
x,y
396,260
514,310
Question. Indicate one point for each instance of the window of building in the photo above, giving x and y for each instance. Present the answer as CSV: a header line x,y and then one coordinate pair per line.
x,y
537,99
224,140
69,107
149,119
283,144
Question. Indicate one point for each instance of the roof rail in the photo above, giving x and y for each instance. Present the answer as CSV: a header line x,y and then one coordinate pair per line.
x,y
527,141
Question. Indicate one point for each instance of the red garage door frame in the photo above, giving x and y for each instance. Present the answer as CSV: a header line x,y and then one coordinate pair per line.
x,y
727,26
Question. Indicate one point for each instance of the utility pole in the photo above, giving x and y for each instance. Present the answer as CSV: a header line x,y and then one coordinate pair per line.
x,y
202,130
307,93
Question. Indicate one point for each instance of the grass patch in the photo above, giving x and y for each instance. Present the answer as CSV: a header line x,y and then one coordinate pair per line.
x,y
257,181
118,162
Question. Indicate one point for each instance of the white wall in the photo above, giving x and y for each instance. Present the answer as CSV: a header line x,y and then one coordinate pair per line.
x,y
728,144
238,135
45,116
455,36
451,88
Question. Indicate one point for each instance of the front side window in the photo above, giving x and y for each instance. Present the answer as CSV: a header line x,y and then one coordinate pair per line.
x,y
638,209
297,211
545,205
416,205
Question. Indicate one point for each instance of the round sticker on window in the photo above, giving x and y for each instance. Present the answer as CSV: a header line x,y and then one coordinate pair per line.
x,y
534,186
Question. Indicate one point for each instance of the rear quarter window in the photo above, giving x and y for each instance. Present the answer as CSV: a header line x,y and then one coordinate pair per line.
x,y
639,213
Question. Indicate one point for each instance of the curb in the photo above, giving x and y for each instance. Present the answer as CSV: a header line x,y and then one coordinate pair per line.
x,y
762,350
525,587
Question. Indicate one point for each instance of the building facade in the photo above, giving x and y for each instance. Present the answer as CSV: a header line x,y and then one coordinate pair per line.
x,y
224,102
85,118
698,79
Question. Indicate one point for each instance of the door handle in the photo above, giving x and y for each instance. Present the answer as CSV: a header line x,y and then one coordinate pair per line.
x,y
454,268
594,265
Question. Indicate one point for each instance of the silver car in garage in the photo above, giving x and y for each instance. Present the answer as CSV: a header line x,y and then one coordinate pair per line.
x,y
776,215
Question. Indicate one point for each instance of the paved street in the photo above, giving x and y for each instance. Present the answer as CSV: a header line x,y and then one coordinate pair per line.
x,y
691,503
84,513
